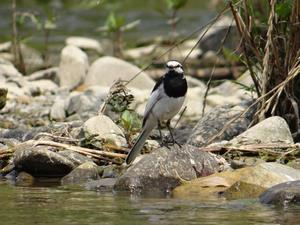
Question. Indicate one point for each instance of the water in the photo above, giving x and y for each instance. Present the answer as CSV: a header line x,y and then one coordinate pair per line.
x,y
56,205
75,18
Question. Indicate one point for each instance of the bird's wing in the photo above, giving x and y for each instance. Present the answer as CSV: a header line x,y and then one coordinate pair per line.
x,y
155,96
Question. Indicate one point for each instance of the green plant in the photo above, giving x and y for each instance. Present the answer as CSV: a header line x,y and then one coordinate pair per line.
x,y
275,51
115,26
130,122
174,6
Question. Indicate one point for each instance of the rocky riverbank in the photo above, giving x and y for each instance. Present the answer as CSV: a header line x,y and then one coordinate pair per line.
x,y
74,122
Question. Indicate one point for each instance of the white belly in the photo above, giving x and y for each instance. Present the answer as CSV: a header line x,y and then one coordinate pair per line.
x,y
167,108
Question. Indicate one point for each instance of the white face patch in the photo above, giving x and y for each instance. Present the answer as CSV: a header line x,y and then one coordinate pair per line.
x,y
174,65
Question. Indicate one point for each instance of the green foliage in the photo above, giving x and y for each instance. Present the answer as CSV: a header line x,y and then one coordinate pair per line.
x,y
130,121
284,8
175,4
230,56
114,22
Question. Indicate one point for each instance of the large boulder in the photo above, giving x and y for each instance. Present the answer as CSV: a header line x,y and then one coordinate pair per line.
x,y
284,194
164,169
247,182
85,172
73,66
213,38
271,130
212,123
106,70
40,161
104,129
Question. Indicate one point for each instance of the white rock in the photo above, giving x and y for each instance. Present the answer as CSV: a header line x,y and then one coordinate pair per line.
x,y
106,70
105,128
136,53
43,85
73,66
271,130
84,43
58,112
7,69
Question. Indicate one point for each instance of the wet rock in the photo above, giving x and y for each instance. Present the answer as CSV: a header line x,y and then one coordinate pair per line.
x,y
106,70
214,36
112,171
102,185
3,95
214,121
104,129
85,43
81,174
247,182
164,169
75,157
271,130
73,66
284,194
24,179
40,161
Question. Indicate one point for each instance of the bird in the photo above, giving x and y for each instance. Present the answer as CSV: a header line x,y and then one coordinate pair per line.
x,y
165,101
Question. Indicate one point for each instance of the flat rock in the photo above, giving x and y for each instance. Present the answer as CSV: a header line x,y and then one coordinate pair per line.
x,y
104,129
84,43
81,174
7,69
106,70
102,185
214,121
75,157
50,74
249,182
284,194
271,130
41,162
73,66
164,169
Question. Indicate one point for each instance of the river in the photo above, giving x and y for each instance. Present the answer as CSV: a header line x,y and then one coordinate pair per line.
x,y
50,204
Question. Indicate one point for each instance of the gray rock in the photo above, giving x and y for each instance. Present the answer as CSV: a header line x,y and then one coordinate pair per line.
x,y
73,66
32,58
164,169
85,43
40,86
50,74
106,70
284,194
214,36
86,104
58,111
214,121
112,171
24,179
271,130
81,174
102,185
40,161
105,130
75,157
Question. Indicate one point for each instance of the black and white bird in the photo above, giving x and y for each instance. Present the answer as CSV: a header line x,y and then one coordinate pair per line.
x,y
165,101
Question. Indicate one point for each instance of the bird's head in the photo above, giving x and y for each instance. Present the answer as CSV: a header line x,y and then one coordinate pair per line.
x,y
175,66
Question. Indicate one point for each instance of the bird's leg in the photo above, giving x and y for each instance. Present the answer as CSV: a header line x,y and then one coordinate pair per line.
x,y
171,133
160,133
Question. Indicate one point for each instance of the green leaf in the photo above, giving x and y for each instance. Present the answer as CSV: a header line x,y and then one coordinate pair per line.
x,y
284,8
230,56
114,23
130,121
176,4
